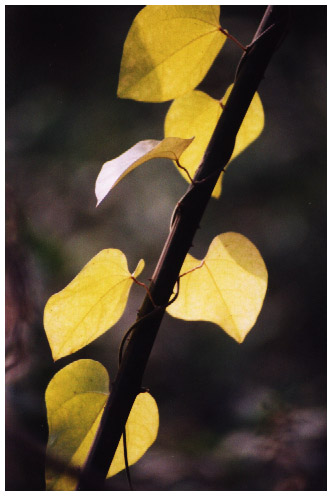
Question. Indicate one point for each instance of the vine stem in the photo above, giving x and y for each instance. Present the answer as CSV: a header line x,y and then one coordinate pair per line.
x,y
128,381
125,452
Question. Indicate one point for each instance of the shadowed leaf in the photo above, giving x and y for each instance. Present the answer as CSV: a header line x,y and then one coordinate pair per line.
x,y
114,170
75,399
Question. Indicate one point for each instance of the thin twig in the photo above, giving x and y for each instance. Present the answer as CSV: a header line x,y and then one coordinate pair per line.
x,y
131,328
146,317
124,437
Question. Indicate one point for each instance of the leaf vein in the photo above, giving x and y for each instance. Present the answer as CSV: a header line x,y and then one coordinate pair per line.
x,y
220,293
170,56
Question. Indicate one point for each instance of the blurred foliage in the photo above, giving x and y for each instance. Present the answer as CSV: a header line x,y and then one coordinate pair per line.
x,y
232,417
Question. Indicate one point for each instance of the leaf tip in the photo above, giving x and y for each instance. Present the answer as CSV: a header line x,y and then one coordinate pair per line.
x,y
139,268
119,93
99,192
56,354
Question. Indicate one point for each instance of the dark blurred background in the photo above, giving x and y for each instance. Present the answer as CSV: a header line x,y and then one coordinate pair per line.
x,y
232,417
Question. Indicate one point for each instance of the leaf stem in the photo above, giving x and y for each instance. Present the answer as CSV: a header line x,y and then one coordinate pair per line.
x,y
145,287
192,270
235,40
185,170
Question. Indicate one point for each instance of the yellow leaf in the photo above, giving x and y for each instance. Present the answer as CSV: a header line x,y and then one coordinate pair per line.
x,y
75,399
114,170
92,303
228,288
196,114
168,51
141,432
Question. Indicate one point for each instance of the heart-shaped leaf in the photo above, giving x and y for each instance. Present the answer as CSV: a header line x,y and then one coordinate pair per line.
x,y
196,114
92,303
75,399
168,51
228,287
114,170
